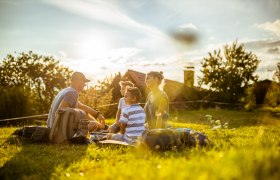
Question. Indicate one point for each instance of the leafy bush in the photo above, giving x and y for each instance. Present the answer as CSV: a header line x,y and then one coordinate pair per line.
x,y
229,72
272,97
40,76
249,100
15,102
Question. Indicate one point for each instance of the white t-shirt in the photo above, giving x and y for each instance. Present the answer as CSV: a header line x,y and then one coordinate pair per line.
x,y
122,103
70,95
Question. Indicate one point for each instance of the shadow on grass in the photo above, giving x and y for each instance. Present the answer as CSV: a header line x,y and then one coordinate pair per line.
x,y
38,161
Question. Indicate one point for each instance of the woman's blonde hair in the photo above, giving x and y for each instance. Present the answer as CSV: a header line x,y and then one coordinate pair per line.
x,y
126,83
159,76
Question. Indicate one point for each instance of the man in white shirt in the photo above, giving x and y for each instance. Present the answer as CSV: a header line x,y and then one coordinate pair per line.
x,y
69,97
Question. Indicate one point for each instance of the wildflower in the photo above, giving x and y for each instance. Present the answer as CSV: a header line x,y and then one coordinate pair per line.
x,y
216,127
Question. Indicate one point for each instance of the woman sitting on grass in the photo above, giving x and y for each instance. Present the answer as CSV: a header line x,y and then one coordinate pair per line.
x,y
157,105
132,118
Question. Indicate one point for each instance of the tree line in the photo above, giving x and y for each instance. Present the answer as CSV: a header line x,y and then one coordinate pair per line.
x,y
231,75
29,82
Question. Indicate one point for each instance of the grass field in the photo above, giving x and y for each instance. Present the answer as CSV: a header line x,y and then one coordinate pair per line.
x,y
248,149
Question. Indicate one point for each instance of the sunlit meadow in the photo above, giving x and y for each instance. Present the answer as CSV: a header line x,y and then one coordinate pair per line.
x,y
244,145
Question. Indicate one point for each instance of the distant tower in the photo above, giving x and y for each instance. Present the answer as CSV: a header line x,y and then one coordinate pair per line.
x,y
189,76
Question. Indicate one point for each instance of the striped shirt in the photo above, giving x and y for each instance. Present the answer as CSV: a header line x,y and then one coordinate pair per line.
x,y
134,117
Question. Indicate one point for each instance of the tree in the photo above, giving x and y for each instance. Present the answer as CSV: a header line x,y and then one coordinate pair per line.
x,y
276,75
272,97
116,95
14,102
41,76
230,73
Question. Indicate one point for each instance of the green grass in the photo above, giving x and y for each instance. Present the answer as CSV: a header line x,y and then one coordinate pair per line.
x,y
249,151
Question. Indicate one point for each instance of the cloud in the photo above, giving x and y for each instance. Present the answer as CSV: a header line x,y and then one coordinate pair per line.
x,y
15,2
275,50
104,67
186,34
262,44
267,51
62,53
188,26
273,27
145,64
122,55
212,38
105,12
148,39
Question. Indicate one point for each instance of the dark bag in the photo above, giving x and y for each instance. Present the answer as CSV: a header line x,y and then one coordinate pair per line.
x,y
192,138
167,139
161,139
37,134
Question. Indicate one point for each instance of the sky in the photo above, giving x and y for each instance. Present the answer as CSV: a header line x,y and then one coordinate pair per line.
x,y
101,37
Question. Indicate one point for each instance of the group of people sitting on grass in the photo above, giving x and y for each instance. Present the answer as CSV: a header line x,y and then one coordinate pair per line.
x,y
131,118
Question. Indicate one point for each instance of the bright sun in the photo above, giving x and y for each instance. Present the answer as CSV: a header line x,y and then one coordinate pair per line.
x,y
92,51
94,47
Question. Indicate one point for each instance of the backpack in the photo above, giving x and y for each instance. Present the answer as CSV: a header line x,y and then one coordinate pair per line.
x,y
192,138
69,126
167,139
161,139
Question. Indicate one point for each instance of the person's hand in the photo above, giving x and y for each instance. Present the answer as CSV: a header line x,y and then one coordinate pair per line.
x,y
101,117
109,136
114,128
118,123
102,121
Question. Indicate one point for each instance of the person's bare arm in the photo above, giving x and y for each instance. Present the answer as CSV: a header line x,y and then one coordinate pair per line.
x,y
122,128
160,112
118,115
93,112
90,110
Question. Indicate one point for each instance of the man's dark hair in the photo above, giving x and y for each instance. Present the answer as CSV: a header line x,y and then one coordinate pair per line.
x,y
134,91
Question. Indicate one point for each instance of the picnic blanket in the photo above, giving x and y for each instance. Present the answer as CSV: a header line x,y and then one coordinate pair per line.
x,y
156,139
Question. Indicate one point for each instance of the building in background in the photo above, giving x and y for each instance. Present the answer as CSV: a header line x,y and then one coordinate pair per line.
x,y
189,76
176,91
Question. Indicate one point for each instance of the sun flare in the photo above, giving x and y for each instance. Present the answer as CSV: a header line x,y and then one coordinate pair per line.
x,y
94,47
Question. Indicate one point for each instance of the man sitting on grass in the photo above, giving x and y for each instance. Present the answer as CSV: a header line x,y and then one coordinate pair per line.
x,y
69,97
132,118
